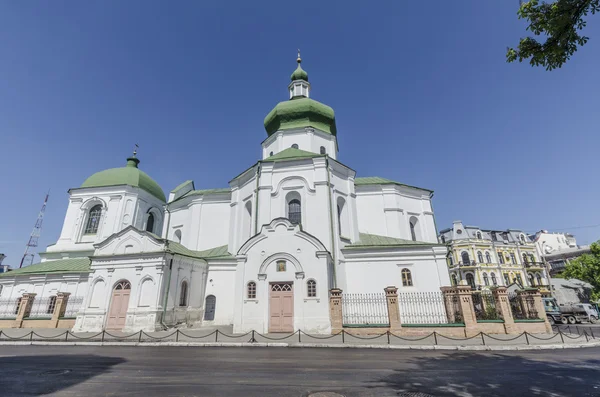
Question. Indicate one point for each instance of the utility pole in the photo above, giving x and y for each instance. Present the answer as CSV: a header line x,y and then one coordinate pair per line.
x,y
35,235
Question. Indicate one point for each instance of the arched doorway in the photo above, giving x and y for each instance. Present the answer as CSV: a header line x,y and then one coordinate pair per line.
x,y
209,308
118,305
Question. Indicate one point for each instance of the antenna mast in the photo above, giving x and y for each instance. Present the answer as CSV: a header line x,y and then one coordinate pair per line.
x,y
35,235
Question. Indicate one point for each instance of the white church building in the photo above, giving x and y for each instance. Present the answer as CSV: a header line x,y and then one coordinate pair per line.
x,y
259,255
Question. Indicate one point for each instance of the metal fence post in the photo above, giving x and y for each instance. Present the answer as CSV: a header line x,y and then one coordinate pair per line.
x,y
30,336
177,335
586,337
388,336
591,330
299,341
526,337
103,332
561,336
343,339
66,336
140,337
577,329
482,338
434,338
216,336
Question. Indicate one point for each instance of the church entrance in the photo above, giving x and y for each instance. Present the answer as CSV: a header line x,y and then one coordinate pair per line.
x,y
118,306
281,307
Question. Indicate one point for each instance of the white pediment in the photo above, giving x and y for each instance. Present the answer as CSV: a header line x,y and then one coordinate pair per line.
x,y
129,241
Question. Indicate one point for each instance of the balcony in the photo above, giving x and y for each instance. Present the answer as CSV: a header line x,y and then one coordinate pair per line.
x,y
535,265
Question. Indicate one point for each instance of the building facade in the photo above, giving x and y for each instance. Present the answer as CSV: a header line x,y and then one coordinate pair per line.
x,y
260,254
487,258
557,249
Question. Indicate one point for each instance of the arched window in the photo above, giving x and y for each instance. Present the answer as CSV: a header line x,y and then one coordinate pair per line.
x,y
488,257
465,258
150,223
123,285
295,146
270,154
413,228
494,280
311,288
519,279
247,222
295,211
479,236
525,259
479,256
539,278
486,280
450,260
471,280
183,294
322,150
506,279
406,278
177,236
251,290
522,238
342,217
532,257
513,258
51,305
210,305
454,280
93,220
531,279
501,258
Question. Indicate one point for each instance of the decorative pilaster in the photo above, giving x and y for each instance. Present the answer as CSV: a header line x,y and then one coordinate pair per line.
x,y
335,309
391,295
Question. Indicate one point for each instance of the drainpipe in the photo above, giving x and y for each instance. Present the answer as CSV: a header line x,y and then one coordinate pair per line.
x,y
166,297
331,225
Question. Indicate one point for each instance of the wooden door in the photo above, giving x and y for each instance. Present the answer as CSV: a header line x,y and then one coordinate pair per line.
x,y
118,306
281,308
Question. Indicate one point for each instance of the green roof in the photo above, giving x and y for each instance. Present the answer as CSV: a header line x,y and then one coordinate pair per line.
x,y
299,113
373,240
291,154
129,175
181,185
375,180
73,265
212,253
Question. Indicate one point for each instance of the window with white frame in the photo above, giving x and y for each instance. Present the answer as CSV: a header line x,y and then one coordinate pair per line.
x,y
251,294
311,288
93,220
407,280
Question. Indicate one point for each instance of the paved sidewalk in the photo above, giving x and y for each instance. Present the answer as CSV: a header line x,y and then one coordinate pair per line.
x,y
222,336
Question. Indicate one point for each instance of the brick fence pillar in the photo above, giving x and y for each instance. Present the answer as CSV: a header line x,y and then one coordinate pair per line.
x,y
452,310
391,295
62,298
24,309
504,310
335,309
532,305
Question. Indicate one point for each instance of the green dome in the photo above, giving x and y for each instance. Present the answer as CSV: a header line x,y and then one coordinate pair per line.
x,y
298,113
129,175
299,74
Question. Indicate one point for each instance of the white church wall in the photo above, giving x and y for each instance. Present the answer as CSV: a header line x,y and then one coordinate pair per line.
x,y
371,217
304,261
220,282
44,285
373,274
307,139
214,224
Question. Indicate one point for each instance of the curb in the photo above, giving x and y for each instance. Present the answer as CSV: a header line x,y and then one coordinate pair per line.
x,y
309,345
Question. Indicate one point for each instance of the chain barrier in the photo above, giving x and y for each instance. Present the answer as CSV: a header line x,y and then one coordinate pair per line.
x,y
30,335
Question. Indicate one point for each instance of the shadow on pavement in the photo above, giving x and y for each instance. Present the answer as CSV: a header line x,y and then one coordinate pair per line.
x,y
461,374
44,374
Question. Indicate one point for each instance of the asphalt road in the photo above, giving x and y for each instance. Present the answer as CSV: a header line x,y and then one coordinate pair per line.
x,y
229,371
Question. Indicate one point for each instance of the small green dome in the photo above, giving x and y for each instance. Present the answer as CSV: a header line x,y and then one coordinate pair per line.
x,y
299,113
299,74
129,175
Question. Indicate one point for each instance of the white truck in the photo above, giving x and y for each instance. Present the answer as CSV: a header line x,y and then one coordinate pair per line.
x,y
567,314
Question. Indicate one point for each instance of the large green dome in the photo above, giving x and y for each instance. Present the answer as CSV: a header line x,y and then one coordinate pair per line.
x,y
129,175
300,112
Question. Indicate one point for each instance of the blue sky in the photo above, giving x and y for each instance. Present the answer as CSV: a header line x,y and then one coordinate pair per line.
x,y
421,90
